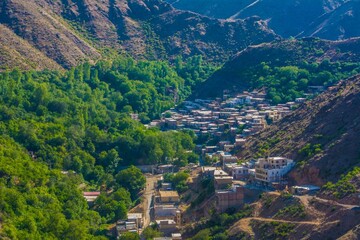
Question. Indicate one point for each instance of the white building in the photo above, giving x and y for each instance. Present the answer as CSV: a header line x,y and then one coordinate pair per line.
x,y
272,169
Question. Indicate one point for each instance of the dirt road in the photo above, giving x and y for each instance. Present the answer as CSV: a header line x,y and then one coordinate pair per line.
x,y
244,224
148,196
305,199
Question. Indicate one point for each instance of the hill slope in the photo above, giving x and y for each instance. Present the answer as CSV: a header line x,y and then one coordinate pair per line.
x,y
248,68
15,52
70,31
340,22
45,32
321,135
282,216
330,19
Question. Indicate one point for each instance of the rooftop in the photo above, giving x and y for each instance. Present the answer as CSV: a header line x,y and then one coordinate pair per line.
x,y
91,193
164,194
134,215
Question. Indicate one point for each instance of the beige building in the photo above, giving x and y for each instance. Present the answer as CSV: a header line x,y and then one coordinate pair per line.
x,y
222,179
169,196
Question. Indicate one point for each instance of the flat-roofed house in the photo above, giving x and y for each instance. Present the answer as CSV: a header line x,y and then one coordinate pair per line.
x,y
169,196
222,179
136,218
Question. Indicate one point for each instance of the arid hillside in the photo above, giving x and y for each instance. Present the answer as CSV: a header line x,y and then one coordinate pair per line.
x,y
69,31
282,216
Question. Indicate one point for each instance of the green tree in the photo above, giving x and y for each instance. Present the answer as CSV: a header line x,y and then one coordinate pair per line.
x,y
151,232
129,236
131,179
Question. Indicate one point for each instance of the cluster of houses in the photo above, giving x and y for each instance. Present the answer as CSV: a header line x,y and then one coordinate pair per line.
x,y
234,118
213,118
167,214
231,179
133,223
165,211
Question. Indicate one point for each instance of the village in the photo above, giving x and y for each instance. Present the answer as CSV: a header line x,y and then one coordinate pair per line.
x,y
226,124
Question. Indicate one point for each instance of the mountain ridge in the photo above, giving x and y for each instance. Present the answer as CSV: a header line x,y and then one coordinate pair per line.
x,y
70,32
304,18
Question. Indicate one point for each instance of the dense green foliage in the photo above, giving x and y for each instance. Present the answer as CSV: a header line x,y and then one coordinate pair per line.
x,y
193,71
80,121
38,203
286,83
151,232
114,206
129,236
132,179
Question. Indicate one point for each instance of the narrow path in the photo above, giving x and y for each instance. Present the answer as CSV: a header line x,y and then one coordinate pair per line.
x,y
308,198
244,224
148,196
305,200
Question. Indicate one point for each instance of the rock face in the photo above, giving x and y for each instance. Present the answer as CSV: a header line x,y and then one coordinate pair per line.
x,y
235,74
328,19
332,120
69,31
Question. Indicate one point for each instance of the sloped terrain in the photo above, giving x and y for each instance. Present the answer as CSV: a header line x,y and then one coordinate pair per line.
x,y
341,22
247,66
15,52
321,135
45,32
330,19
69,32
285,217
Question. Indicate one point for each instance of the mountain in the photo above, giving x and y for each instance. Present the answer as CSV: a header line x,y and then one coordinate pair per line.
x,y
64,33
254,67
328,19
321,135
339,22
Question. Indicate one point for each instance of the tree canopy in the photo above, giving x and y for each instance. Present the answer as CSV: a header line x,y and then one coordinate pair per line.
x,y
64,132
